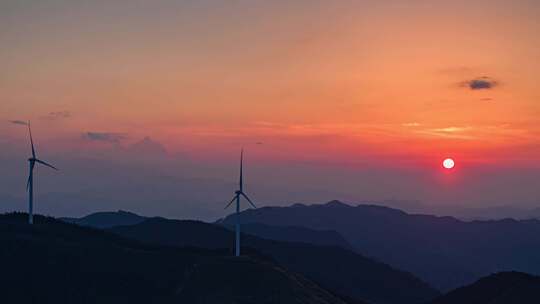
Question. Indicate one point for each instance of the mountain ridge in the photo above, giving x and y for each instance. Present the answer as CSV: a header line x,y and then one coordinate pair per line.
x,y
57,262
340,270
441,250
498,288
106,219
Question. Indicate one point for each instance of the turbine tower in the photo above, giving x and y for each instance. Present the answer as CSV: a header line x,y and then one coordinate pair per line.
x,y
30,184
238,193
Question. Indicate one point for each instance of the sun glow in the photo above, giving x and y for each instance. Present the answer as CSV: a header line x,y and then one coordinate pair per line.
x,y
448,163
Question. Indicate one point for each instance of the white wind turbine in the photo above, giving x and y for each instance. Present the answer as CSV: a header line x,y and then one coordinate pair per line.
x,y
238,193
30,184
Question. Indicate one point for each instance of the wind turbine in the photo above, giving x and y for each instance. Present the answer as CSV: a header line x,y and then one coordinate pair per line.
x,y
238,193
30,184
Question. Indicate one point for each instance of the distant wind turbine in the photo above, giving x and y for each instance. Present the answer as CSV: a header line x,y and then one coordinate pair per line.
x,y
30,184
236,198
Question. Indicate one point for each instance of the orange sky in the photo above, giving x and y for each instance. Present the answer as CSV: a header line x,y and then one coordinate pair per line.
x,y
384,78
354,100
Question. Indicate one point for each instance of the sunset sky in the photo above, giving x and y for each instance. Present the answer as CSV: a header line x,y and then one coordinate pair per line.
x,y
352,100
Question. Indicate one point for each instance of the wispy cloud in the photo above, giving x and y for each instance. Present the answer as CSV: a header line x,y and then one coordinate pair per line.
x,y
487,133
104,136
452,129
58,115
19,122
449,132
411,124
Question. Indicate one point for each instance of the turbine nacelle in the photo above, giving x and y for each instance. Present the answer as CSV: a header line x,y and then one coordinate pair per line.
x,y
30,184
39,161
237,194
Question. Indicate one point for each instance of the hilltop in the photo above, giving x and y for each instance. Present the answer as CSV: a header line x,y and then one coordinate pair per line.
x,y
57,262
342,271
499,288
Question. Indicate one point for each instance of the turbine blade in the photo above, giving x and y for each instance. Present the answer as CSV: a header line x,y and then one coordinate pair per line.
x,y
46,164
246,197
31,141
232,201
241,169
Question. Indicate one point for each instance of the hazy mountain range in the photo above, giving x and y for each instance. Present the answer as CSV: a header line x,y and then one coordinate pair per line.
x,y
515,210
156,260
443,251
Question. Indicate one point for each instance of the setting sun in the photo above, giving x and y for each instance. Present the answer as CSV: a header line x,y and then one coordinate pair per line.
x,y
448,163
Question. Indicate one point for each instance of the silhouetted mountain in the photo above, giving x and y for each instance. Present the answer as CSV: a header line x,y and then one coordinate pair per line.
x,y
337,269
106,219
58,262
290,234
499,288
295,234
500,212
443,251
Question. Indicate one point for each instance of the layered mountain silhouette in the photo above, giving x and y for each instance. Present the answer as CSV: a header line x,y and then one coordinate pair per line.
x,y
296,234
109,219
57,262
106,219
499,288
443,251
342,271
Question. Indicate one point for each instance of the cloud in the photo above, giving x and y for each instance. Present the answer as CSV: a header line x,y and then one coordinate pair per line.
x,y
104,136
58,115
480,83
452,129
19,122
411,124
449,132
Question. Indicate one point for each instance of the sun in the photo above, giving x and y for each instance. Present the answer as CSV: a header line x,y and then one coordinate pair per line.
x,y
448,163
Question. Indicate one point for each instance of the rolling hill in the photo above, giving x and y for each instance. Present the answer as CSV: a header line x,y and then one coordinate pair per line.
x,y
340,270
106,219
499,288
57,262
